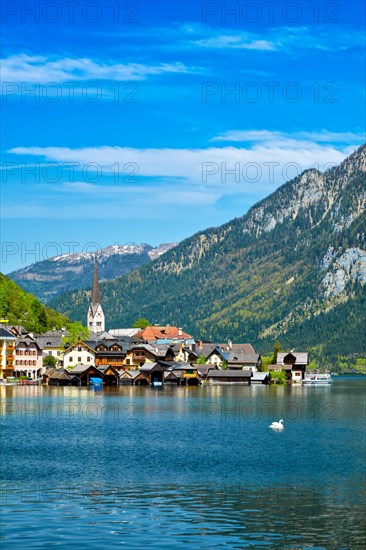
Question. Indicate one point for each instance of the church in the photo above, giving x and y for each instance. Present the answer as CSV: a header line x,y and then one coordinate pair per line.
x,y
95,317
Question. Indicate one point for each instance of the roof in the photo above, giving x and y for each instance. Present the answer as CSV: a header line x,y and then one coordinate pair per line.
x,y
154,350
58,374
218,351
80,343
171,374
259,376
6,335
153,333
19,329
245,348
148,367
126,373
241,357
27,342
79,369
136,373
302,358
51,341
104,335
228,373
118,332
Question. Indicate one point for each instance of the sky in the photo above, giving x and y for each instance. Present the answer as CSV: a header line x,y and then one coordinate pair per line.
x,y
147,121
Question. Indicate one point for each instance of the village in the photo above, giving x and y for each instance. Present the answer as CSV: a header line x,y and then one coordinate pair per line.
x,y
150,356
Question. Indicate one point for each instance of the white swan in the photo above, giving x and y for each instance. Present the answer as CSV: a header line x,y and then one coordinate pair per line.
x,y
277,425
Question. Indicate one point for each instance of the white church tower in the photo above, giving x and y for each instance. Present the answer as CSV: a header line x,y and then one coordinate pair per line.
x,y
95,320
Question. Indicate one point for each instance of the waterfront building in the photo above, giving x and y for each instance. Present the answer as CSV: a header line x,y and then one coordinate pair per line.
x,y
79,353
7,346
28,359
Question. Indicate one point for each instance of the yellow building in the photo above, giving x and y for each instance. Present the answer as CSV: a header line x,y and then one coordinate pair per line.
x,y
7,343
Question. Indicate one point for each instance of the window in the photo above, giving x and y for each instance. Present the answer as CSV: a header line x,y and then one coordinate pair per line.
x,y
70,358
88,358
80,349
99,324
79,359
50,353
58,354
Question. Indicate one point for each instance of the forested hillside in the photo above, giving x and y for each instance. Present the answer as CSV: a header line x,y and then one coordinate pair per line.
x,y
21,308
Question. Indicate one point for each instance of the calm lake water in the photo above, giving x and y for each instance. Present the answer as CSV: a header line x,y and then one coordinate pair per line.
x,y
183,467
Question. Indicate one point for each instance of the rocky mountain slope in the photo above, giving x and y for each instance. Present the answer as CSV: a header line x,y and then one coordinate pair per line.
x,y
293,268
51,277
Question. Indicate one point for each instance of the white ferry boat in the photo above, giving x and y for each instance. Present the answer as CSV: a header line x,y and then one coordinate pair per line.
x,y
317,379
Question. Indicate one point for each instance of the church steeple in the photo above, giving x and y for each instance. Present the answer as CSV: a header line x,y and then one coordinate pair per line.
x,y
95,298
95,317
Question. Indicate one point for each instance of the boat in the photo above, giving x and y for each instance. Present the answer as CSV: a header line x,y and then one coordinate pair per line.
x,y
317,379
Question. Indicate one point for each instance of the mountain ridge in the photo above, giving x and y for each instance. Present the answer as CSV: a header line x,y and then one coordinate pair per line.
x,y
53,276
294,256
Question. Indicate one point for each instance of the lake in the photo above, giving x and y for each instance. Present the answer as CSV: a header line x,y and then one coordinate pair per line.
x,y
192,467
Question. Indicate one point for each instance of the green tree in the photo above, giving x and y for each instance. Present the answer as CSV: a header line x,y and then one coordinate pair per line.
x,y
49,361
276,350
141,323
201,360
266,360
76,332
278,377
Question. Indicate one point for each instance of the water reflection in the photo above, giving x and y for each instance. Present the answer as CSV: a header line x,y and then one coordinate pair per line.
x,y
188,466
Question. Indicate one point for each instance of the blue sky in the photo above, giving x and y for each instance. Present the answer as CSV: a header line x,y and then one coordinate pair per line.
x,y
148,121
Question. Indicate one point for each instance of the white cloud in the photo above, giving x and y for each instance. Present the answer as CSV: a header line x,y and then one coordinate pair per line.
x,y
285,39
274,158
42,69
294,138
190,179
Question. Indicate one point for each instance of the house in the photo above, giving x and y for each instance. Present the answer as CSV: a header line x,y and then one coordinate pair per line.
x,y
217,357
28,358
185,373
139,354
260,378
171,377
52,343
7,349
241,360
111,352
79,353
56,377
154,371
294,363
84,374
190,376
228,376
126,378
111,376
224,353
140,378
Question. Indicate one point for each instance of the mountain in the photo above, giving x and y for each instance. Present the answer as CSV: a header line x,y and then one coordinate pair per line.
x,y
293,268
21,308
49,278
